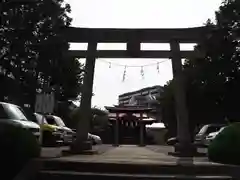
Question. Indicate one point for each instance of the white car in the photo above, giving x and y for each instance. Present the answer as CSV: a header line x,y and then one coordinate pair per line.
x,y
91,137
94,138
211,136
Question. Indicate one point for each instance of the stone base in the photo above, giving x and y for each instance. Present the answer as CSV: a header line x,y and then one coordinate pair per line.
x,y
115,145
80,148
184,150
86,152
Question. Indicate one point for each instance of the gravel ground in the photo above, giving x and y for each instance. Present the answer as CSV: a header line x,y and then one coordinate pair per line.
x,y
166,149
160,148
103,148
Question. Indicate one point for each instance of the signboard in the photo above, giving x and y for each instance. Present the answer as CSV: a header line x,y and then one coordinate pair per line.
x,y
44,103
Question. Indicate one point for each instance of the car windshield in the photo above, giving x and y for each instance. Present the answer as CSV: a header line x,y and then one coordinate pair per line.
x,y
59,121
222,129
14,112
209,129
202,130
51,120
39,118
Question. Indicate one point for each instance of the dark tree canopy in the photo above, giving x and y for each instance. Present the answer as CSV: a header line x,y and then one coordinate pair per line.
x,y
32,51
212,83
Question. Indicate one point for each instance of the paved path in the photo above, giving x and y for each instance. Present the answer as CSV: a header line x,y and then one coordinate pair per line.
x,y
130,154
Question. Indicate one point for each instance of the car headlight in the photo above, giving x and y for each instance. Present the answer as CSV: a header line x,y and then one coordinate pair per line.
x,y
57,131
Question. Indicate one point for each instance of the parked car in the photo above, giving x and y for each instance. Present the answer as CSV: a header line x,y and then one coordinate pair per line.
x,y
52,134
68,134
95,139
13,115
210,137
91,137
172,141
205,131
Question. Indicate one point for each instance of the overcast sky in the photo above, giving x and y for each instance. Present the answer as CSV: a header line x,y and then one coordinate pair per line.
x,y
108,82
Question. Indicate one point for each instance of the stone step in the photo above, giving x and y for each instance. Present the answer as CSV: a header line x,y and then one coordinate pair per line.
x,y
70,175
97,167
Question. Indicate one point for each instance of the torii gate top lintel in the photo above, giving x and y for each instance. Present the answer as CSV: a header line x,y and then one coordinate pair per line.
x,y
133,38
184,35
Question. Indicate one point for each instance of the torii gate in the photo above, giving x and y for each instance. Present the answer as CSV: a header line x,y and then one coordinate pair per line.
x,y
133,38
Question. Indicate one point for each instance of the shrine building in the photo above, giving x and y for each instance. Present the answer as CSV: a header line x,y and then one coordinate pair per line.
x,y
129,124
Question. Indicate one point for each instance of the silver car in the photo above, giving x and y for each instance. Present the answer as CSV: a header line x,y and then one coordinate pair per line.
x,y
210,137
13,115
205,131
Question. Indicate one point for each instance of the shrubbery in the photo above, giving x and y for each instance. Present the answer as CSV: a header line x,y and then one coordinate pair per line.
x,y
225,148
18,146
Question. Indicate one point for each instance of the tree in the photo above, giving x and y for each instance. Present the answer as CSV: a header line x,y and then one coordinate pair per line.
x,y
213,82
168,108
99,119
67,79
33,48
219,82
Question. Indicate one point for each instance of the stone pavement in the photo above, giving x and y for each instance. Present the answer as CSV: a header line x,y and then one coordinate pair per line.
x,y
56,152
127,154
129,162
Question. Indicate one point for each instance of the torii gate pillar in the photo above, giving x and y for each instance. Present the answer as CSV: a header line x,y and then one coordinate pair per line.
x,y
84,115
184,146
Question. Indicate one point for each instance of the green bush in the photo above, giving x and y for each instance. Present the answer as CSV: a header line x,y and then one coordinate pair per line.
x,y
18,146
225,148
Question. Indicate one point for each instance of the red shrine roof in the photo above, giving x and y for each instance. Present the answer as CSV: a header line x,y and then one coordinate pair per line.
x,y
125,109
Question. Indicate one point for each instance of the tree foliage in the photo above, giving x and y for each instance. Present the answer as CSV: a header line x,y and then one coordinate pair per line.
x,y
32,51
213,82
99,119
225,147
